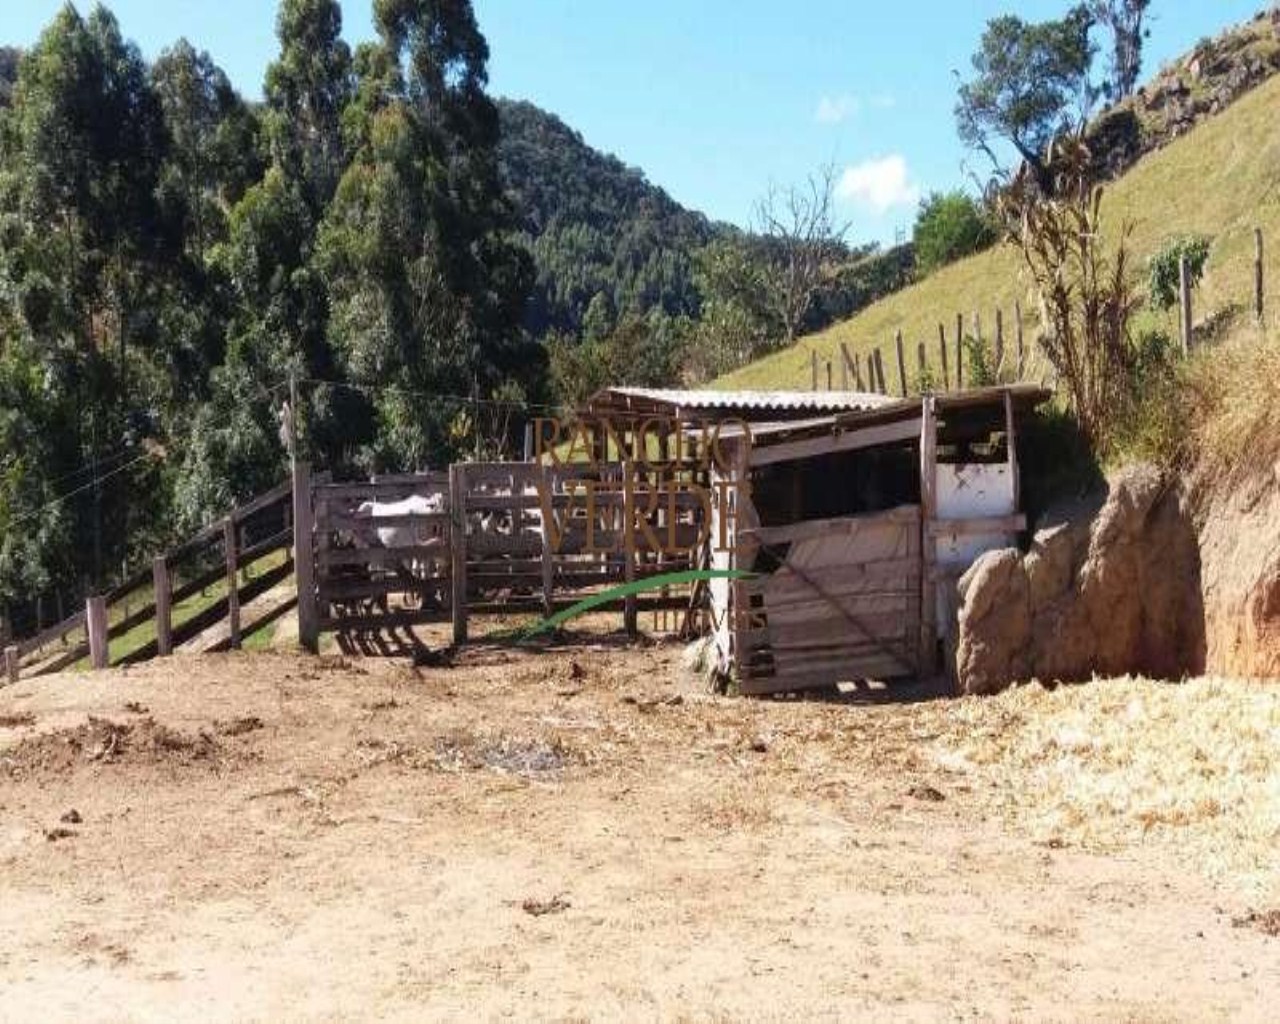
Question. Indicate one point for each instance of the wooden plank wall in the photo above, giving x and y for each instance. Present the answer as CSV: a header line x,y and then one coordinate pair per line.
x,y
845,605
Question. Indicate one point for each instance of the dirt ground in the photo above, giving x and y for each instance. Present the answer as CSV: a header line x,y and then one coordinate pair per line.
x,y
582,832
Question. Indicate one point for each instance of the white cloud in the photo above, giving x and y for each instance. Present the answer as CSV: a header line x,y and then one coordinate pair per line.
x,y
834,109
880,184
883,101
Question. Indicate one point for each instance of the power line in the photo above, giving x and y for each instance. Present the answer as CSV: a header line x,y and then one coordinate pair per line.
x,y
466,400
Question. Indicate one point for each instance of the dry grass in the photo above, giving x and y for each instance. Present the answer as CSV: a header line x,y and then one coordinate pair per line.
x,y
1221,180
1234,397
1125,762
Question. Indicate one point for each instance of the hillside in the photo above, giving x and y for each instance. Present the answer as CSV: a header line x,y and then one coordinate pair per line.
x,y
594,226
1222,179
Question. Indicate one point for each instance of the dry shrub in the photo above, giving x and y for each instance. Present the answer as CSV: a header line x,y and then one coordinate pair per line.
x,y
1084,291
1233,397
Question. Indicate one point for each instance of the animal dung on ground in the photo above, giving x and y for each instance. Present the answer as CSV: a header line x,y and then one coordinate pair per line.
x,y
540,908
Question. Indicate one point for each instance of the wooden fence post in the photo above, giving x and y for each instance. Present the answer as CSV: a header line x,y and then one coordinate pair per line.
x,y
851,366
231,547
928,510
844,368
629,605
902,363
95,624
1017,317
924,365
828,374
999,367
304,558
881,385
813,365
871,372
163,587
458,549
11,663
942,351
959,352
546,489
1184,295
1257,273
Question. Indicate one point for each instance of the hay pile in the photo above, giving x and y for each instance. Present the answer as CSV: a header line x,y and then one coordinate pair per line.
x,y
1131,761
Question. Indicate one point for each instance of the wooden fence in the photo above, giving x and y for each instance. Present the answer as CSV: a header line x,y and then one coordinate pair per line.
x,y
226,550
490,537
942,366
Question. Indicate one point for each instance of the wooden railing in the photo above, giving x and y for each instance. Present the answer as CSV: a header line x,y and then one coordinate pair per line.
x,y
227,549
485,545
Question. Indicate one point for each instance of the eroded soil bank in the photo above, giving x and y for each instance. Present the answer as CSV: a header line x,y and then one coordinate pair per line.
x,y
1158,578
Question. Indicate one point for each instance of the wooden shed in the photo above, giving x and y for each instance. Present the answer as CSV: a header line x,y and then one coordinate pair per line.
x,y
856,526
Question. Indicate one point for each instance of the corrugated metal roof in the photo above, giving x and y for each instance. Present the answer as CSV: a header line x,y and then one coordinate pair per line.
x,y
747,401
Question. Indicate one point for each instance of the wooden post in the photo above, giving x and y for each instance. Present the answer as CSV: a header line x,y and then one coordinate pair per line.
x,y
95,624
924,366
231,546
902,363
942,351
871,372
630,605
849,367
813,365
1184,295
1011,443
999,367
828,374
929,546
11,663
880,383
1017,316
458,549
304,558
163,587
959,352
547,491
1257,273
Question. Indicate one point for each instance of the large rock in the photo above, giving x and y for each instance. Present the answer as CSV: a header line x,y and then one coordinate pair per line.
x,y
1117,593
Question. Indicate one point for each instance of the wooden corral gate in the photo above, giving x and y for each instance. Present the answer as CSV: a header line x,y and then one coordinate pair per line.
x,y
480,541
843,602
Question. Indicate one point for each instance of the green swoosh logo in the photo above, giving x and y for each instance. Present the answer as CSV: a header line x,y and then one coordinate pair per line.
x,y
624,590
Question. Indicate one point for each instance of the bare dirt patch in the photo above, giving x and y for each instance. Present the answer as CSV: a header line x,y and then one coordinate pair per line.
x,y
580,831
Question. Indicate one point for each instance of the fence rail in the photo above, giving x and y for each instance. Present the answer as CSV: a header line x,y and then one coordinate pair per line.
x,y
224,550
515,536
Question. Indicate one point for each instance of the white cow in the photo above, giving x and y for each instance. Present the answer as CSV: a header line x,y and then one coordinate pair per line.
x,y
405,535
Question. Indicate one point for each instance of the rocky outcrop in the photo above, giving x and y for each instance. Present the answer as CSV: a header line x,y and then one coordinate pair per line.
x,y
1118,592
1200,85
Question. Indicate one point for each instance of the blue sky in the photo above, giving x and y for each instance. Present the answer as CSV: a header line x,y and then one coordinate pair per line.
x,y
713,99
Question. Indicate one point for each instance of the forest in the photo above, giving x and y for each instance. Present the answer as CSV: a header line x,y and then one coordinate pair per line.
x,y
428,263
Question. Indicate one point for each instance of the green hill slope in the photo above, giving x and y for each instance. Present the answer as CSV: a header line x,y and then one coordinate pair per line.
x,y
1222,179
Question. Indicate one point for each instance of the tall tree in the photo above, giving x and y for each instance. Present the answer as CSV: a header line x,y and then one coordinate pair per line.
x,y
213,151
1030,83
1124,18
86,245
306,89
427,290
